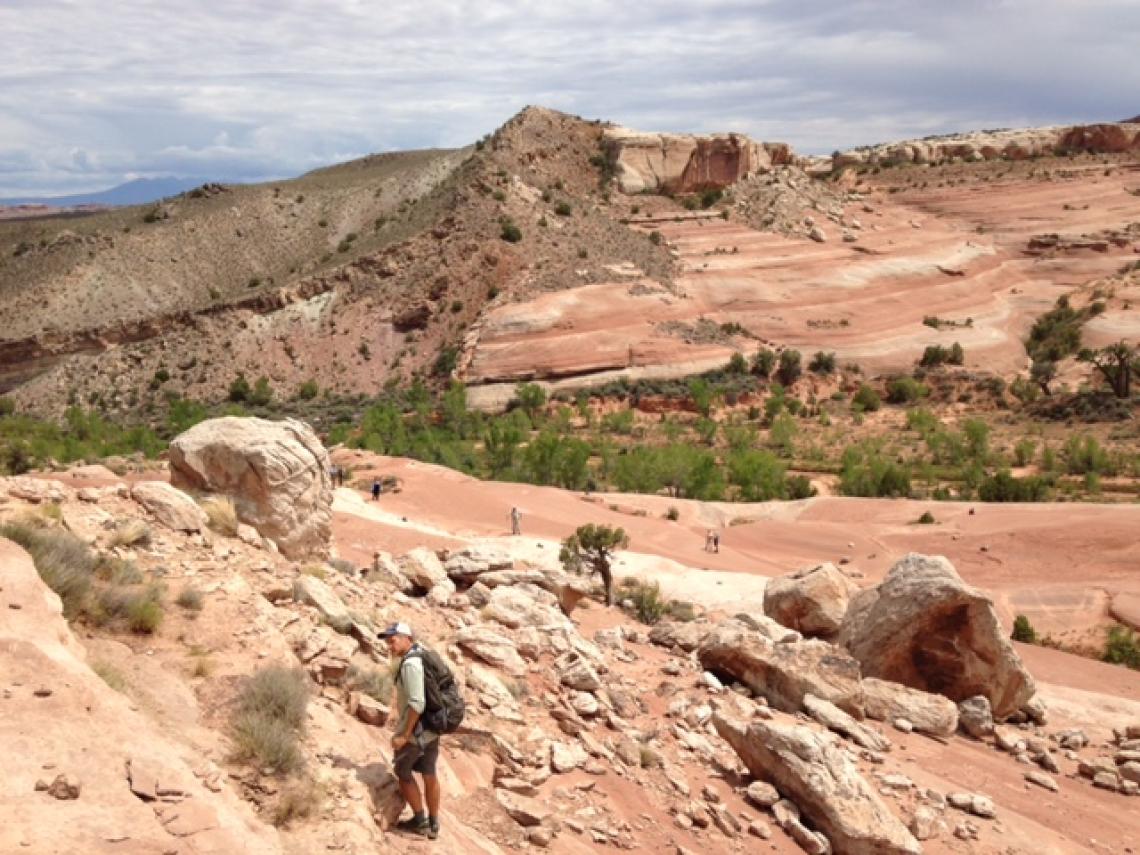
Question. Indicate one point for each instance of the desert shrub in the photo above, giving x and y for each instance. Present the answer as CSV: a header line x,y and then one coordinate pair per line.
x,y
1083,454
190,599
239,389
736,364
655,237
221,516
788,370
63,561
648,604
1056,334
867,473
510,232
299,798
7,406
935,355
927,518
763,361
1023,451
563,209
1004,487
799,487
672,514
131,532
1023,630
1122,647
905,390
866,399
374,682
143,610
782,434
822,363
268,718
308,390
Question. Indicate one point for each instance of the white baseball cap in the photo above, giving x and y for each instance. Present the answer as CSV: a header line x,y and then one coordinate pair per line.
x,y
397,629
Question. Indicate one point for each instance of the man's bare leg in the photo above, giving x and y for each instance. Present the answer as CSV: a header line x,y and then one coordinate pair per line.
x,y
431,793
412,794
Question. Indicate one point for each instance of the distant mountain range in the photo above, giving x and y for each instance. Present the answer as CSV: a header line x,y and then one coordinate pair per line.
x,y
137,192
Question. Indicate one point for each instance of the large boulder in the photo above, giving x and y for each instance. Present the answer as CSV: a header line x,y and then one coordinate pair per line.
x,y
686,635
170,506
812,600
277,474
925,628
887,701
423,568
783,673
815,771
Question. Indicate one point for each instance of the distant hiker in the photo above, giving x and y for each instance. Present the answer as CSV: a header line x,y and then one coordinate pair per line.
x,y
428,703
375,489
340,476
516,519
332,475
716,541
708,540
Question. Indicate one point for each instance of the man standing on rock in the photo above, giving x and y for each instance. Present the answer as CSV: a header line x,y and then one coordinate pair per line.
x,y
516,520
376,489
416,749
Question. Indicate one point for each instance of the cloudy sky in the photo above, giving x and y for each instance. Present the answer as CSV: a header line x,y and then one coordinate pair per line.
x,y
94,92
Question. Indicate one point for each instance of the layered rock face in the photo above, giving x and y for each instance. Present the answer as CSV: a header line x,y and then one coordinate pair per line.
x,y
682,163
925,628
1108,138
277,474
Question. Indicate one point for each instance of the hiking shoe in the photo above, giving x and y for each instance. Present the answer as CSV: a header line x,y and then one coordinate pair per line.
x,y
416,825
433,828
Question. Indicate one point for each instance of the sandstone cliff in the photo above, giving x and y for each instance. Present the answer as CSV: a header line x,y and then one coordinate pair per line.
x,y
1108,138
684,163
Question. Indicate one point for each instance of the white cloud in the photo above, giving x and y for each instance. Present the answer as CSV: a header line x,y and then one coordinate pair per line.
x,y
92,91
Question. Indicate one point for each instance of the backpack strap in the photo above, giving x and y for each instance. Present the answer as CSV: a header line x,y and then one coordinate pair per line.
x,y
416,651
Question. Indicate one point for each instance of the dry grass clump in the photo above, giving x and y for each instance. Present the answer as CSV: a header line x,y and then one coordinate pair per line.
x,y
131,532
63,561
269,717
221,516
648,603
191,599
299,799
374,682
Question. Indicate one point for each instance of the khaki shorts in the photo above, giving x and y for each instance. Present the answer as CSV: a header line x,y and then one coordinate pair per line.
x,y
416,756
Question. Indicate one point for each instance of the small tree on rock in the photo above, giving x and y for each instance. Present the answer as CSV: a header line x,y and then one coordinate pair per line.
x,y
593,546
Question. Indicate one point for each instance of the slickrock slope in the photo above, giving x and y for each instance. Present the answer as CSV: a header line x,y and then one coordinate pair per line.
x,y
59,720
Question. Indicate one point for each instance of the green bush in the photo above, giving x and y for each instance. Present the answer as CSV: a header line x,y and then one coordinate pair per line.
x,y
563,209
789,369
510,232
866,399
648,604
905,390
1023,452
736,364
936,355
1003,487
672,514
1023,630
1083,454
655,237
822,363
64,562
927,518
7,406
240,389
867,473
1122,647
763,362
